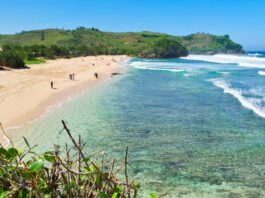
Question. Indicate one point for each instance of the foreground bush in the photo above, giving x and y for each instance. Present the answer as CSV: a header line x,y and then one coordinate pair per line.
x,y
73,174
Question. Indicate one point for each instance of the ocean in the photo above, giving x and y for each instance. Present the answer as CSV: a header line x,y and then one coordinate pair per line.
x,y
194,126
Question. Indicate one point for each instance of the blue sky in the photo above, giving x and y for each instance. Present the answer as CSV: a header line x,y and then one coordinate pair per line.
x,y
243,20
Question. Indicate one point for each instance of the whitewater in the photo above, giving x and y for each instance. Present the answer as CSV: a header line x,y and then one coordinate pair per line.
x,y
193,126
241,60
222,64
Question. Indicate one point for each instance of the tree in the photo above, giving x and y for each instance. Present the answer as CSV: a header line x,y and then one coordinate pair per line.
x,y
42,36
11,58
165,47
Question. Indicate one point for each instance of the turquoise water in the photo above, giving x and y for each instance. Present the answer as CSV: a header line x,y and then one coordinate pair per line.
x,y
194,128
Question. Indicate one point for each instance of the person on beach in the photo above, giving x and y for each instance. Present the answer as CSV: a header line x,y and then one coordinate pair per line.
x,y
70,76
52,84
73,76
96,75
93,64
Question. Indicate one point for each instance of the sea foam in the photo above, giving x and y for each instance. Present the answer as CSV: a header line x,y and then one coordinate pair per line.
x,y
262,73
255,54
156,66
244,61
250,103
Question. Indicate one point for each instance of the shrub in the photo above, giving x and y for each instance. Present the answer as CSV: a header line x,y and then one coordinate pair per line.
x,y
11,58
73,174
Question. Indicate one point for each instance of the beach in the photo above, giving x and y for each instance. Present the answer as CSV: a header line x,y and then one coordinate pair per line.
x,y
25,94
193,128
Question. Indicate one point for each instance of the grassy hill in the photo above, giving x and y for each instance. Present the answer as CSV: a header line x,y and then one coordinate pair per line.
x,y
122,43
201,43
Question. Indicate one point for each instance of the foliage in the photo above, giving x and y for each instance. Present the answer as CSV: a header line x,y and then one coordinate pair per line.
x,y
92,41
12,58
202,43
30,46
34,61
29,174
164,47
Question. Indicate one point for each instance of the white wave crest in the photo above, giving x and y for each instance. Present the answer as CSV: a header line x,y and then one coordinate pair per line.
x,y
151,64
244,61
254,54
250,103
159,69
224,73
262,73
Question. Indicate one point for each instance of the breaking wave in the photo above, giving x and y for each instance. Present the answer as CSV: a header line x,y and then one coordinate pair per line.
x,y
244,61
252,103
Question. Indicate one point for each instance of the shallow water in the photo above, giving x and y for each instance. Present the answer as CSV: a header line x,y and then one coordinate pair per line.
x,y
194,128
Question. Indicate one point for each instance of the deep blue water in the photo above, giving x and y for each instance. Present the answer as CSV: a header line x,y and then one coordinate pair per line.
x,y
194,128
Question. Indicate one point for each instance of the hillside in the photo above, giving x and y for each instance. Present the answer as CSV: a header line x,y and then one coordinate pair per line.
x,y
120,43
201,43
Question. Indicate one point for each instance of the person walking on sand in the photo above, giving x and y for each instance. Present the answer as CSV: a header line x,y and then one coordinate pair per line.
x,y
52,84
96,75
70,76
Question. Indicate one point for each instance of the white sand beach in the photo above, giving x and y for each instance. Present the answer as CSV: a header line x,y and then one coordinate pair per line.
x,y
26,93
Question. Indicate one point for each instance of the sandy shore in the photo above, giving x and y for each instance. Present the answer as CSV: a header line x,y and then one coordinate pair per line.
x,y
25,94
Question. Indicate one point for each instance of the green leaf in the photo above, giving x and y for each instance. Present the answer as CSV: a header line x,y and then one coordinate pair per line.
x,y
89,168
49,156
3,194
136,185
26,141
119,190
3,152
69,186
102,195
23,193
153,195
115,195
2,171
86,159
99,179
13,152
37,165
26,174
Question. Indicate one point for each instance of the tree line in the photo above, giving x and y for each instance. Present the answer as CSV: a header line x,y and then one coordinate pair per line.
x,y
15,55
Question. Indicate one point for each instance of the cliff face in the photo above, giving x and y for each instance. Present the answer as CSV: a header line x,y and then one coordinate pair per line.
x,y
131,43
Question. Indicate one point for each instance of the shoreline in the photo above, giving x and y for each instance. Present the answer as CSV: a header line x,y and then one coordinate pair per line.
x,y
30,95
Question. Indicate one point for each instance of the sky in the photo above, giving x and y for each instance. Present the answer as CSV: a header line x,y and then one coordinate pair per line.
x,y
243,20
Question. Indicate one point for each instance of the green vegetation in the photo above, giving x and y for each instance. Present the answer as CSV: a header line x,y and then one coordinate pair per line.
x,y
201,43
54,43
117,43
34,61
164,47
11,59
25,174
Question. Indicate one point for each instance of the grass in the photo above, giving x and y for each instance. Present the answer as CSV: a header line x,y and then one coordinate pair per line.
x,y
35,61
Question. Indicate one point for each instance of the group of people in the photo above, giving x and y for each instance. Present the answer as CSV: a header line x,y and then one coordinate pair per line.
x,y
72,76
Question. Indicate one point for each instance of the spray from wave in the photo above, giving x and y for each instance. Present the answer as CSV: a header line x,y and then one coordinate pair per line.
x,y
156,66
244,61
250,103
255,54
262,73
